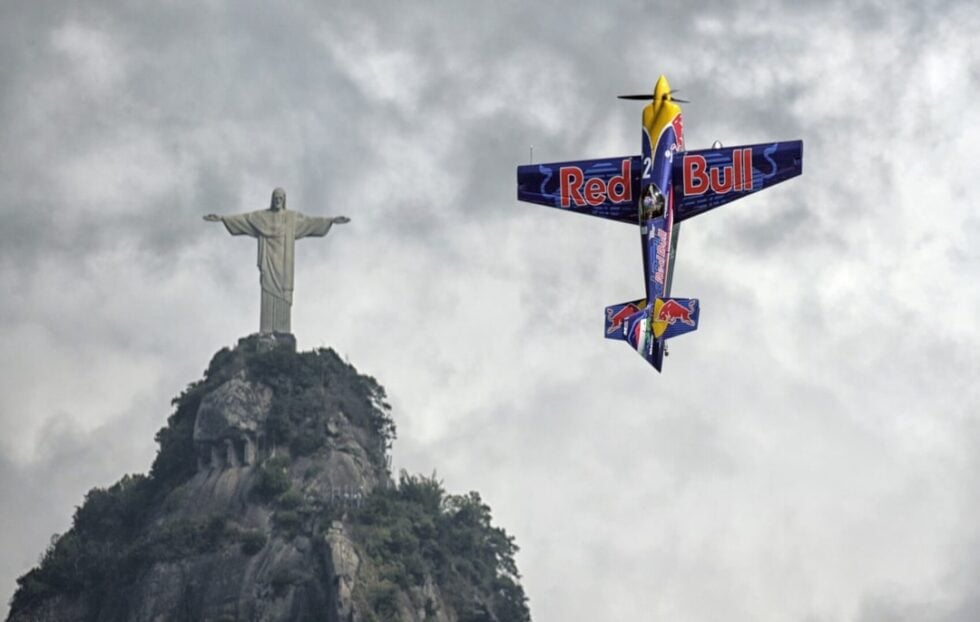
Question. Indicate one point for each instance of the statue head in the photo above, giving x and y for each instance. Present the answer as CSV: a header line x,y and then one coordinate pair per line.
x,y
278,201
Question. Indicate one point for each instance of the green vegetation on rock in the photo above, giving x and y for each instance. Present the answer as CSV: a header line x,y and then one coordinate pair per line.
x,y
109,542
307,386
417,530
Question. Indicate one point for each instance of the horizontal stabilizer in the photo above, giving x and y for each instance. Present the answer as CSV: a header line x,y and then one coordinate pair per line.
x,y
617,314
674,316
607,188
707,178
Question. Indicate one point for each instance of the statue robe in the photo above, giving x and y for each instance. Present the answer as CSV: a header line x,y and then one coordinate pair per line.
x,y
276,232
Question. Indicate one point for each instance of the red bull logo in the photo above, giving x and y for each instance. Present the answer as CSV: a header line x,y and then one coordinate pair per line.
x,y
673,311
576,189
678,124
698,178
615,319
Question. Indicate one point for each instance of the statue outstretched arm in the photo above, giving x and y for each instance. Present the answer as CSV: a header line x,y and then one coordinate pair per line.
x,y
238,224
317,226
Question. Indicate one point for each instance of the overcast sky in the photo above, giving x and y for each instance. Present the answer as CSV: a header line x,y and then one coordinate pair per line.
x,y
810,453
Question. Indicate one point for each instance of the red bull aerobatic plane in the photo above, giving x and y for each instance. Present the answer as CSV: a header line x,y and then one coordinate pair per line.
x,y
658,190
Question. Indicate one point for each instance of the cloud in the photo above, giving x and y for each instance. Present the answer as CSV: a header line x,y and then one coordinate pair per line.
x,y
804,454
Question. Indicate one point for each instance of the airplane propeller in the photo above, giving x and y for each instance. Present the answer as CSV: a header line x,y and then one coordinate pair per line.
x,y
650,98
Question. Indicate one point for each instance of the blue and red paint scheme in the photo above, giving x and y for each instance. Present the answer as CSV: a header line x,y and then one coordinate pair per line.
x,y
658,190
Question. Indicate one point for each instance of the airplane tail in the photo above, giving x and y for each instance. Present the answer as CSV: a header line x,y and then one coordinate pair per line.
x,y
648,329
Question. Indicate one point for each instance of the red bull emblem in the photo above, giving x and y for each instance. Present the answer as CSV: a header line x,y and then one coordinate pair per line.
x,y
576,189
698,178
673,311
678,124
615,320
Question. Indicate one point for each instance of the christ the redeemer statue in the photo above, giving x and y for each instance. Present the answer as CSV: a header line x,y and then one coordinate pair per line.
x,y
276,229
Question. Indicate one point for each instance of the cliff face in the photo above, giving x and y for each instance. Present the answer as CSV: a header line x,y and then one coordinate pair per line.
x,y
271,499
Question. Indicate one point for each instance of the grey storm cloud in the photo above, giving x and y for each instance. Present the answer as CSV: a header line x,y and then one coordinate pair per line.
x,y
807,454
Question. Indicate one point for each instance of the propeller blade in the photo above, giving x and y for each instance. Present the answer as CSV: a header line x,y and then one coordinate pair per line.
x,y
650,98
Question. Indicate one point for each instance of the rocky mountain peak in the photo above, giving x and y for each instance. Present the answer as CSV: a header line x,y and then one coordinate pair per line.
x,y
271,499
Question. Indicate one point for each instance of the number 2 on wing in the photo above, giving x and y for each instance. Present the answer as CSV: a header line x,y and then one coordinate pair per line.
x,y
647,163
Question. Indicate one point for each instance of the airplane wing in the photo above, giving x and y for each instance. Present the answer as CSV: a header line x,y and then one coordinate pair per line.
x,y
705,179
607,188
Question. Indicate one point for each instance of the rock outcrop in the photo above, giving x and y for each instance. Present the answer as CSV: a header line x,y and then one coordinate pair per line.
x,y
271,499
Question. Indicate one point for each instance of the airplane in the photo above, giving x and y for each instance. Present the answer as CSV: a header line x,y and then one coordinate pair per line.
x,y
658,190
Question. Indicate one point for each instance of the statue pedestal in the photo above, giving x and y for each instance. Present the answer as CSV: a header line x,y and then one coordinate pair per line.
x,y
264,342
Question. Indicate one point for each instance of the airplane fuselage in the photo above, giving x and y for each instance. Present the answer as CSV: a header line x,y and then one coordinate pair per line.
x,y
662,138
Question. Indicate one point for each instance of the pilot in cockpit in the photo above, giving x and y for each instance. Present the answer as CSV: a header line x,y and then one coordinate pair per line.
x,y
653,204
